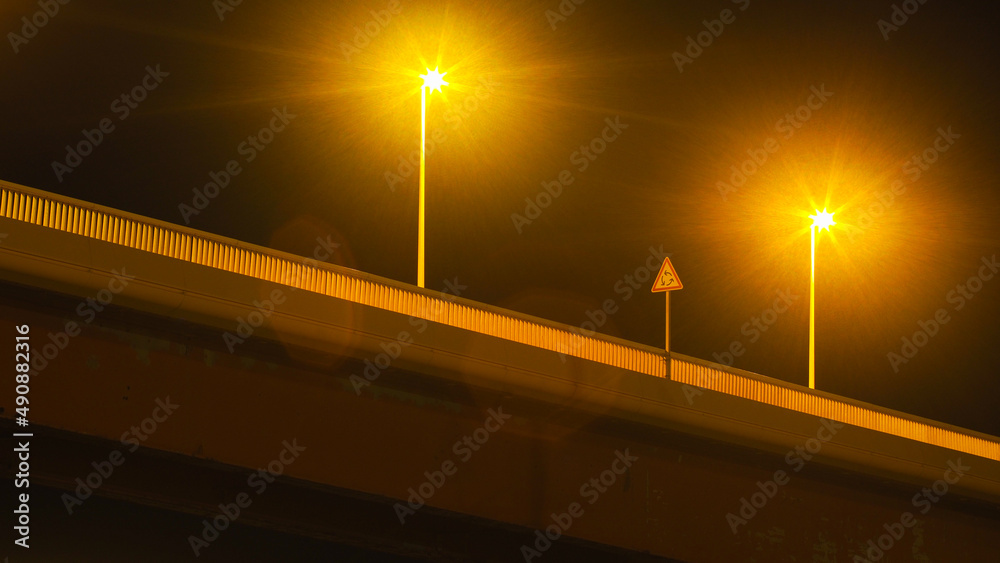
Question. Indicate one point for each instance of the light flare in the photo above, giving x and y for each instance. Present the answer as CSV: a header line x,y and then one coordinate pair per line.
x,y
434,80
822,219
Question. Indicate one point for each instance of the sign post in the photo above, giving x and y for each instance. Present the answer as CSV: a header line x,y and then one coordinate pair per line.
x,y
667,281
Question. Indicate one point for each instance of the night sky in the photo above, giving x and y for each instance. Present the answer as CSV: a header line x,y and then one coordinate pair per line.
x,y
714,153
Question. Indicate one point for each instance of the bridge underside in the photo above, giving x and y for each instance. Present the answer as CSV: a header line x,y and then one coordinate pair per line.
x,y
150,505
366,447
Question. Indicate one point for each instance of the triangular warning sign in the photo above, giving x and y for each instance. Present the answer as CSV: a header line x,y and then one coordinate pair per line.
x,y
667,279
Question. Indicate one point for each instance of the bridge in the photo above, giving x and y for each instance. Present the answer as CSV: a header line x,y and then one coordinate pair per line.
x,y
194,396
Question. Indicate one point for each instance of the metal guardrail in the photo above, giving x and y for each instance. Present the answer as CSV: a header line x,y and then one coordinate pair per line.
x,y
835,408
141,233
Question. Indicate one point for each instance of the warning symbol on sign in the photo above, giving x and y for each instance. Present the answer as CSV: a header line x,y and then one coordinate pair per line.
x,y
667,279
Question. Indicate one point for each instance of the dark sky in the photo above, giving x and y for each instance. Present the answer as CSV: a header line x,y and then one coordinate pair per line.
x,y
527,91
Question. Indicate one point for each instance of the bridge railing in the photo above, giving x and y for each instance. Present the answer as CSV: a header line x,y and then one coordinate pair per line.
x,y
150,235
69,215
708,375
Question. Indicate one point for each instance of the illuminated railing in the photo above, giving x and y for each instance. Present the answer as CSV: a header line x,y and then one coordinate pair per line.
x,y
72,216
839,409
141,233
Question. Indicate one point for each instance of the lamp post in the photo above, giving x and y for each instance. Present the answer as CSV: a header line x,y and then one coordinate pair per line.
x,y
821,220
433,80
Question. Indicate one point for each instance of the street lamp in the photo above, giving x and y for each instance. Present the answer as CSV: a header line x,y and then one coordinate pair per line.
x,y
821,220
433,80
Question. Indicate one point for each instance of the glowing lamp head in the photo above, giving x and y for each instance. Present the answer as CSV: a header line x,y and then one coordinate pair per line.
x,y
822,219
434,79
